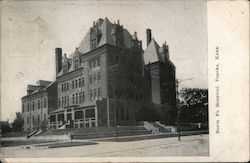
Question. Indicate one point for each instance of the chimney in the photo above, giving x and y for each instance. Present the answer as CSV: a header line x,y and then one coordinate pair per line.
x,y
118,22
148,31
58,53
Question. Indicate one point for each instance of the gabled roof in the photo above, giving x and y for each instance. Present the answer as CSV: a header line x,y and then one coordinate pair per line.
x,y
67,61
151,53
107,29
84,45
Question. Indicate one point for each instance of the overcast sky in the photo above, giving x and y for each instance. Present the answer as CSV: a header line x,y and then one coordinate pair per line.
x,y
31,30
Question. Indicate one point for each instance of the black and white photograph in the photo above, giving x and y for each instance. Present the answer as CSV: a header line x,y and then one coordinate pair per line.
x,y
110,79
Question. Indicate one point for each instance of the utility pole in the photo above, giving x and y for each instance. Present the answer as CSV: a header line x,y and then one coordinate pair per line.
x,y
114,94
177,107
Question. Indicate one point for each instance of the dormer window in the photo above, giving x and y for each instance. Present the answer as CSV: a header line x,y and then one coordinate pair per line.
x,y
76,62
93,44
65,68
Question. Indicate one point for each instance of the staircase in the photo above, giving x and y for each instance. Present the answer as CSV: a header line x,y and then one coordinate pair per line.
x,y
165,129
152,128
32,134
157,127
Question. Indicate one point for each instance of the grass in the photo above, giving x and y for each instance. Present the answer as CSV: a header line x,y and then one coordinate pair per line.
x,y
7,143
66,144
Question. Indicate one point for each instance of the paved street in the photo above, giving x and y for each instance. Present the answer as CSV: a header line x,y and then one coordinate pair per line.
x,y
189,146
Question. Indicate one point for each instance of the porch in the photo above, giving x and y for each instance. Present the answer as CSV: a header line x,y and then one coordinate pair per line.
x,y
73,117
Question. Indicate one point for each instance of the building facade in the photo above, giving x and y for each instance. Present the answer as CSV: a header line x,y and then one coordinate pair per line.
x,y
105,81
162,78
37,104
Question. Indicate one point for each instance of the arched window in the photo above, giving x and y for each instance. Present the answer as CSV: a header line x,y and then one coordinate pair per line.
x,y
80,97
76,98
38,104
44,103
79,82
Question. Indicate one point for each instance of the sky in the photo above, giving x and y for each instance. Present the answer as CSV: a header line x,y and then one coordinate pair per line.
x,y
31,30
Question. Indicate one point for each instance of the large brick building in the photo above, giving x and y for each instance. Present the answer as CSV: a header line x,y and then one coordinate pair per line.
x,y
106,81
38,103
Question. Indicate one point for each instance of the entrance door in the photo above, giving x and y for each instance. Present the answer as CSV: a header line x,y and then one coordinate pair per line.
x,y
69,117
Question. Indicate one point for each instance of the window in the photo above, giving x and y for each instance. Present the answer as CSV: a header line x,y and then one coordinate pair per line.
x,y
83,97
73,84
116,58
76,64
65,68
99,93
79,82
44,117
62,102
28,120
91,94
52,118
38,118
95,94
76,98
90,65
33,119
65,101
68,100
59,102
80,97
22,107
33,105
28,107
62,87
67,86
98,76
90,79
94,78
60,117
38,104
83,82
76,84
79,114
44,103
94,63
93,44
98,61
90,113
73,99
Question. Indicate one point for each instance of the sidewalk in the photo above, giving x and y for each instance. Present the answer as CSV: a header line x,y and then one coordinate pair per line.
x,y
188,146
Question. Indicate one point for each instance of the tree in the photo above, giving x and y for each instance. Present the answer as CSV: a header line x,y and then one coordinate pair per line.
x,y
5,127
17,125
193,103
